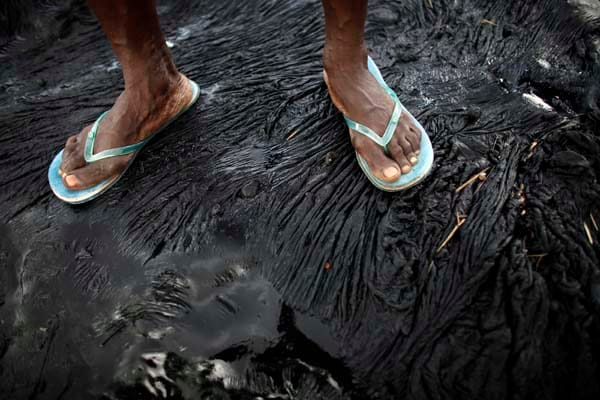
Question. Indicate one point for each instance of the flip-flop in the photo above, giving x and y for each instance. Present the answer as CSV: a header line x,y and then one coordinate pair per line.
x,y
85,195
424,164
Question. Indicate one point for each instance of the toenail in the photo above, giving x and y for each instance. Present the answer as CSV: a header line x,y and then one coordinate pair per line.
x,y
413,160
390,172
406,168
71,180
418,152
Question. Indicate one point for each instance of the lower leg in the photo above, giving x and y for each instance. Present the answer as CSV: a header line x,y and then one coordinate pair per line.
x,y
358,95
133,29
154,89
344,34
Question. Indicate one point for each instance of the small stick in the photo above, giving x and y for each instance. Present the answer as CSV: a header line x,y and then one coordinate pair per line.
x,y
293,134
430,267
594,221
460,220
429,4
539,258
521,194
487,21
588,233
481,176
533,146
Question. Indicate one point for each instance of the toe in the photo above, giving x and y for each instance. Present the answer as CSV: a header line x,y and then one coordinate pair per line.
x,y
71,142
409,134
383,167
73,153
407,149
94,173
397,153
412,135
414,138
70,151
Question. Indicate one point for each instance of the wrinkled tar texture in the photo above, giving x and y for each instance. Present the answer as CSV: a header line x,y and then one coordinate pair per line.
x,y
246,256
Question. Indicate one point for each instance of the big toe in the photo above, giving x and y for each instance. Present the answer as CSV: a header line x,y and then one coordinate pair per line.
x,y
94,173
383,167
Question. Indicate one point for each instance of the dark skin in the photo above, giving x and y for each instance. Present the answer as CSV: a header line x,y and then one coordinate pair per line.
x,y
155,91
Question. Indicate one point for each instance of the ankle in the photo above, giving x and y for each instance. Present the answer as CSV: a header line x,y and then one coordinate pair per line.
x,y
153,71
340,58
155,83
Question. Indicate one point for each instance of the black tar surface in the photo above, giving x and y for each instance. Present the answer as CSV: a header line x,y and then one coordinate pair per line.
x,y
245,255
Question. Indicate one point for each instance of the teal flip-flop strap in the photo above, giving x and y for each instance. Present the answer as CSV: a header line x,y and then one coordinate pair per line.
x,y
117,151
389,131
394,119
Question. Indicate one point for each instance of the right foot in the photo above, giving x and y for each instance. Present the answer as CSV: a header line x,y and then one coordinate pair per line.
x,y
356,93
136,114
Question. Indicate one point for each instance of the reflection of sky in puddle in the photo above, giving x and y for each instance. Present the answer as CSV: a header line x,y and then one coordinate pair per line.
x,y
123,315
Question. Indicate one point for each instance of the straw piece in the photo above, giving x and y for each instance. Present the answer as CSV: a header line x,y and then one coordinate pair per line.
x,y
460,220
588,233
594,221
487,22
531,148
480,175
539,258
293,134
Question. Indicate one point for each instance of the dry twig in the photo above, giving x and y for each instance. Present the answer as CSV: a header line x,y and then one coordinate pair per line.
x,y
588,233
481,176
293,134
531,148
539,258
487,22
460,220
594,221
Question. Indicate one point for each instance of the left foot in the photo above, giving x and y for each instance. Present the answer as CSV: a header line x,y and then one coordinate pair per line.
x,y
356,93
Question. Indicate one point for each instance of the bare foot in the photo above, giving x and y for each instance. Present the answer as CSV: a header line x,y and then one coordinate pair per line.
x,y
356,93
137,113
